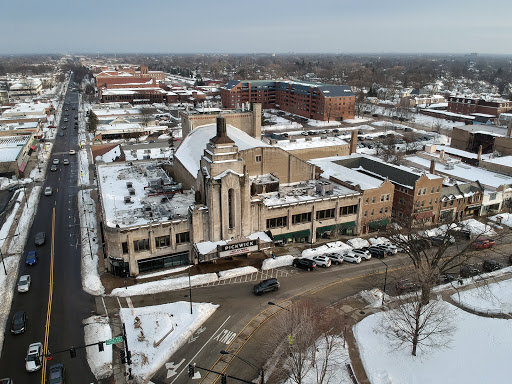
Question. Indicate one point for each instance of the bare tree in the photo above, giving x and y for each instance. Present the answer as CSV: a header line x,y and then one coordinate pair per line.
x,y
146,115
388,149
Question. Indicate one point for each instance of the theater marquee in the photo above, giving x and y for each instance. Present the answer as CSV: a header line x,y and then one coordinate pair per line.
x,y
238,248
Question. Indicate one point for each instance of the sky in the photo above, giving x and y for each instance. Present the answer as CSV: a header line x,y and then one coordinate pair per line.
x,y
264,26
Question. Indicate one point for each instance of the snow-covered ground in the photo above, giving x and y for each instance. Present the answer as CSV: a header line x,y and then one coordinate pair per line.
x,y
477,228
155,333
505,218
334,247
97,328
491,298
280,261
235,272
477,343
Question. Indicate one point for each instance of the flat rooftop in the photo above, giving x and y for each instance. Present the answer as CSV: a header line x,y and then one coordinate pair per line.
x,y
153,196
11,146
314,142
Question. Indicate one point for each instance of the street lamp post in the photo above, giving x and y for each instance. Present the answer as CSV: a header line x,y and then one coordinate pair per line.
x,y
189,288
277,305
385,279
260,371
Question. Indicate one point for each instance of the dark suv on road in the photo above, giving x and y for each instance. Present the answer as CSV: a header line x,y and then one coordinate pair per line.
x,y
266,286
491,265
304,264
377,252
469,270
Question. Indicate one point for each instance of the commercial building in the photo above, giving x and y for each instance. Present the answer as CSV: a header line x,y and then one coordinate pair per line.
x,y
490,139
310,100
471,105
15,152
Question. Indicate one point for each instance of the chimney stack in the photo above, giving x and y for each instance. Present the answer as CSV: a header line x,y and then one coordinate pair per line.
x,y
432,166
479,157
353,141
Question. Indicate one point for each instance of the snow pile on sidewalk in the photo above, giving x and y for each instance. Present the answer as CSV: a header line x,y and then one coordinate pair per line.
x,y
155,333
162,273
97,328
506,219
280,261
7,284
164,285
25,221
374,297
475,341
235,272
477,228
492,298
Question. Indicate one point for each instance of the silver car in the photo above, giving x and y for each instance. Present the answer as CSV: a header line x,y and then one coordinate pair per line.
x,y
24,283
48,191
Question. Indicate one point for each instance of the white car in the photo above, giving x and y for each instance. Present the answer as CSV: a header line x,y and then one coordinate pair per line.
x,y
33,361
56,161
352,258
65,162
24,283
336,258
72,151
48,191
391,249
365,255
322,261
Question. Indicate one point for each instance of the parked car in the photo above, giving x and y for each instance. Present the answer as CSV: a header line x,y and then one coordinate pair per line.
x,y
304,263
440,240
364,254
445,279
53,168
72,151
31,258
390,249
484,244
462,234
405,285
265,286
322,261
379,253
56,161
24,283
40,238
65,162
19,322
336,258
491,265
469,270
57,374
352,258
33,361
48,191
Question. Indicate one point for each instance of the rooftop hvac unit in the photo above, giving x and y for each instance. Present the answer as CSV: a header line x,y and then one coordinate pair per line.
x,y
129,184
147,151
131,191
127,200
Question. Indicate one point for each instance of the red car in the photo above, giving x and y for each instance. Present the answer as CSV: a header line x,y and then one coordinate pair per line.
x,y
483,244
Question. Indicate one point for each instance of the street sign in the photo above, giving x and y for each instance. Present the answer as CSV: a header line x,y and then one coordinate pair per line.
x,y
114,340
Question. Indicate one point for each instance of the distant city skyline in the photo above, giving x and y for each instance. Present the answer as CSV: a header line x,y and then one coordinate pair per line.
x,y
228,26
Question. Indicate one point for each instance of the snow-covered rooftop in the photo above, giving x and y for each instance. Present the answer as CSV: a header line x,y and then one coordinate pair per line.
x,y
11,146
147,204
315,142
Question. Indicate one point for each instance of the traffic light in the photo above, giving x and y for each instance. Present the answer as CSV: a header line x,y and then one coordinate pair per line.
x,y
191,370
72,352
128,357
223,379
100,346
122,357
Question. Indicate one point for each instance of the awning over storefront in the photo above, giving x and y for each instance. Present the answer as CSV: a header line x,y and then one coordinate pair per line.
x,y
293,235
23,166
378,223
424,215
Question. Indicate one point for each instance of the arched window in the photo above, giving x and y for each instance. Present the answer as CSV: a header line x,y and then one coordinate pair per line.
x,y
231,218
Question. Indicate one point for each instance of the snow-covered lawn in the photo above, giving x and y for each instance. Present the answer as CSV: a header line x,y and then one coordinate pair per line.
x,y
280,261
492,298
506,219
155,333
477,343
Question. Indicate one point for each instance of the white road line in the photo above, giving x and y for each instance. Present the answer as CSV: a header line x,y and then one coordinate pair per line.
x,y
198,352
118,302
104,306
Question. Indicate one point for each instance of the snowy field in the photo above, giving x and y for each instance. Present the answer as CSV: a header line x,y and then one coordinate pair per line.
x,y
493,298
476,343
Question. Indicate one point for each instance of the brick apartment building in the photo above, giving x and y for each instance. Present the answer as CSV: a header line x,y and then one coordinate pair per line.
x,y
313,101
109,78
469,105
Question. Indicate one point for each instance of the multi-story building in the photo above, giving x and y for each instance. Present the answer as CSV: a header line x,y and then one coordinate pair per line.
x,y
469,105
110,78
460,201
313,101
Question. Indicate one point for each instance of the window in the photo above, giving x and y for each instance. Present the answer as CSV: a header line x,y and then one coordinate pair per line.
x,y
386,210
430,202
301,218
419,192
432,190
373,200
230,208
387,197
141,245
258,159
371,213
325,214
366,213
183,237
382,198
423,203
163,241
367,201
125,248
277,222
381,210
348,210
424,191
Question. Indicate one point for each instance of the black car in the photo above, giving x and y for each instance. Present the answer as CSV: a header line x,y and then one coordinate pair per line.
x,y
377,252
19,321
445,279
304,264
265,286
469,270
491,265
57,374
405,286
40,238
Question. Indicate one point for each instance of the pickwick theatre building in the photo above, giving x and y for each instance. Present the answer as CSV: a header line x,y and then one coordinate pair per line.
x,y
224,194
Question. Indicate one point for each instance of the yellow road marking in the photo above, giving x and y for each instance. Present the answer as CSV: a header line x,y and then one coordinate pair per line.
x,y
50,298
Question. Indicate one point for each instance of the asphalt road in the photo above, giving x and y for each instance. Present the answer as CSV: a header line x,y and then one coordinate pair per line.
x,y
69,304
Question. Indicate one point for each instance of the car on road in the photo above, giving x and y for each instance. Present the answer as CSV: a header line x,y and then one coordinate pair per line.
x,y
53,168
440,240
379,253
336,258
48,191
264,286
364,254
304,263
405,285
61,134
445,279
31,258
56,161
65,120
322,261
304,133
57,374
19,322
33,361
352,258
40,238
6,381
469,270
72,151
491,265
484,244
65,162
24,283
